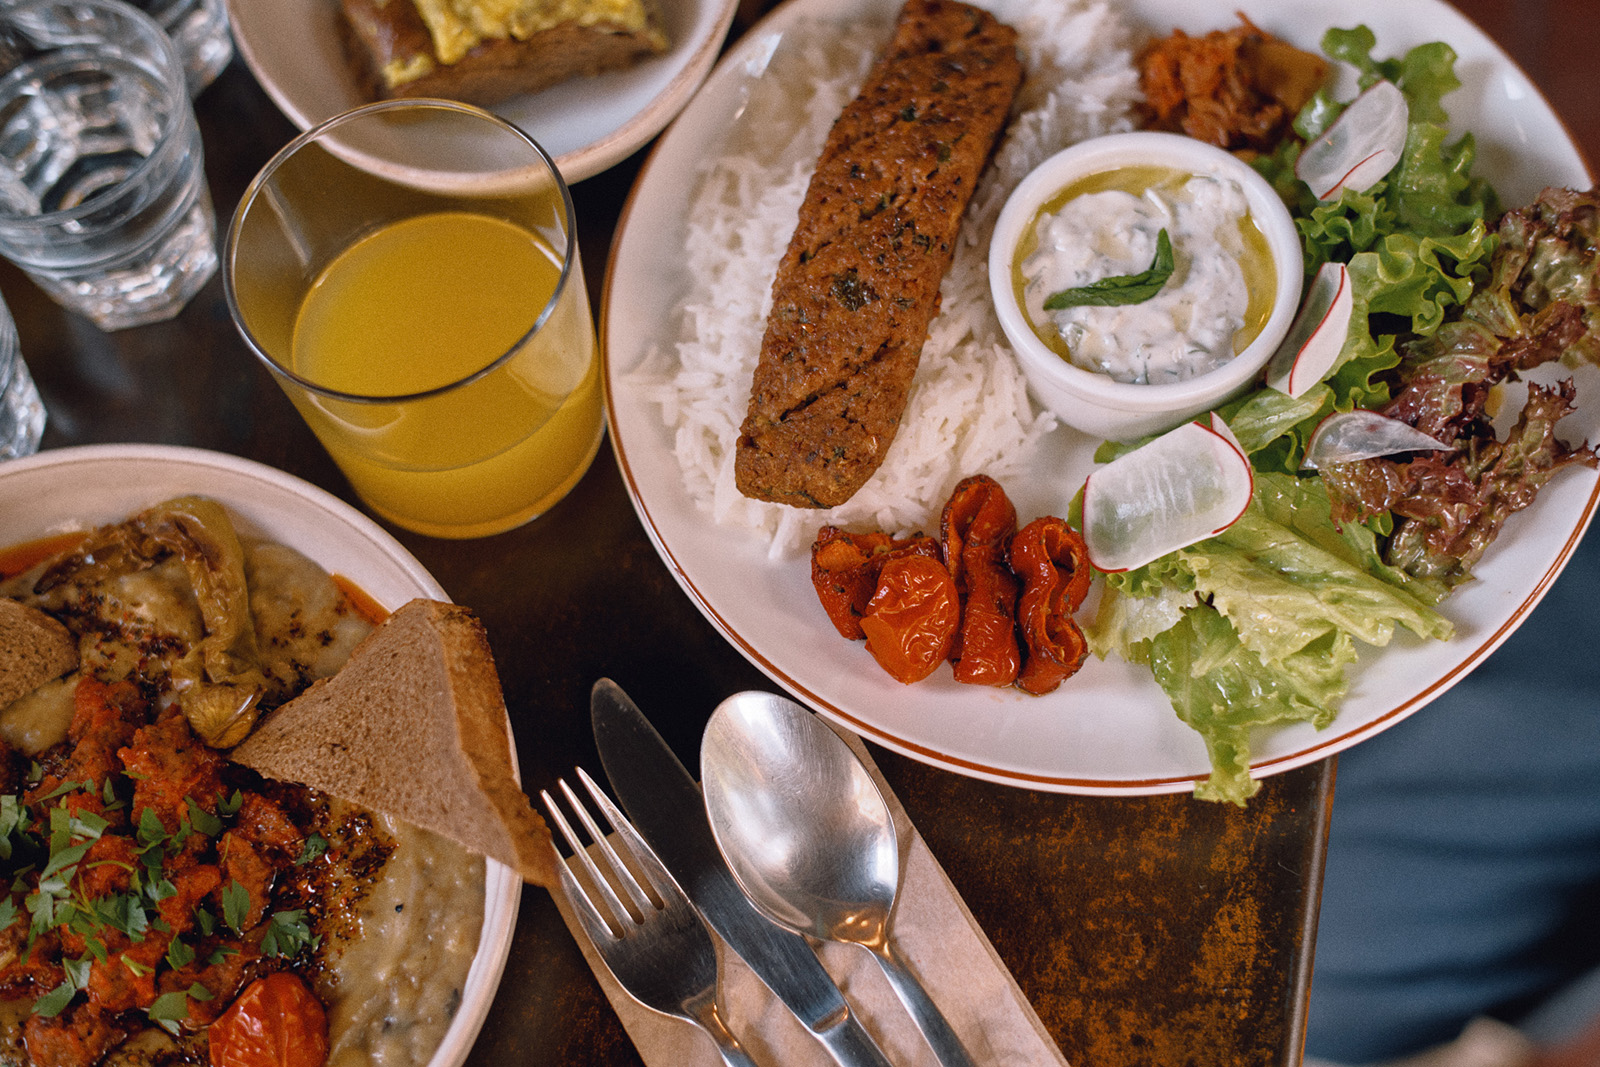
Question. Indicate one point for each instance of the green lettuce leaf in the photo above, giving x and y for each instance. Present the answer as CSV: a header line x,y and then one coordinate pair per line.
x,y
1282,592
1272,427
1416,243
1124,624
1223,690
1305,505
1257,625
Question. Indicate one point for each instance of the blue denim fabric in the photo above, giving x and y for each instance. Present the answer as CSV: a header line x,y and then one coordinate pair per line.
x,y
1463,871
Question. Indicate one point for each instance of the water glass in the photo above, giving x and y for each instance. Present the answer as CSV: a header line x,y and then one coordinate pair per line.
x,y
103,200
200,30
409,273
21,412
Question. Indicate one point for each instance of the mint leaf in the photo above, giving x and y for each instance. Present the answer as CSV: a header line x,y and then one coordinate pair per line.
x,y
1120,289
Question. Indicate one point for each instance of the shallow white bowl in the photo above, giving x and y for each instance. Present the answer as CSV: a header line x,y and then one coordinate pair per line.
x,y
295,50
61,490
1095,403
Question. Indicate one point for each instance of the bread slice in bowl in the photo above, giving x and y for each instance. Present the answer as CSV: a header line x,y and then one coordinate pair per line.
x,y
414,725
34,649
401,48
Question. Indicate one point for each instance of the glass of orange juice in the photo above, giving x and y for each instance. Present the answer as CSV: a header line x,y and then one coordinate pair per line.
x,y
409,272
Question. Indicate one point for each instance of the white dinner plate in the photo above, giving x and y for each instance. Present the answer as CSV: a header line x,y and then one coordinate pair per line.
x,y
1110,729
68,489
293,47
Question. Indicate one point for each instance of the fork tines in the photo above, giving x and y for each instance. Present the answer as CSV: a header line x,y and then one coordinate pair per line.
x,y
642,899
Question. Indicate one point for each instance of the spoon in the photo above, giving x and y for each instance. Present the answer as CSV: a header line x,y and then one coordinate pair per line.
x,y
809,838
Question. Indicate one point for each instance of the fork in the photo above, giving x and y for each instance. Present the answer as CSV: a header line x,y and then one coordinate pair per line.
x,y
661,953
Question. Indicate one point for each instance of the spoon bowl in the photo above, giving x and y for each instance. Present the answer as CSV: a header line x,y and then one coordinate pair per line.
x,y
810,838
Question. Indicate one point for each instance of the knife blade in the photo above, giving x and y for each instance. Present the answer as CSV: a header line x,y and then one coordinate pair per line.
x,y
665,804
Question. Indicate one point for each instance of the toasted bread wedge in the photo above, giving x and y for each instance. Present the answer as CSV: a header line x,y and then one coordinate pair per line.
x,y
414,725
394,53
34,649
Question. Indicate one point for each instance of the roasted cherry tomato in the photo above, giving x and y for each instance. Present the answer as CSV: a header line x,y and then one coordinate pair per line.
x,y
845,568
276,1022
1053,563
976,530
911,620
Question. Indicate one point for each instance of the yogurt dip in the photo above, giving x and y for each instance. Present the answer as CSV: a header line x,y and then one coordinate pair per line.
x,y
1216,301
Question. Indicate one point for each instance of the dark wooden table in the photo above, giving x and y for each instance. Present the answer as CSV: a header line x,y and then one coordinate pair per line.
x,y
1157,931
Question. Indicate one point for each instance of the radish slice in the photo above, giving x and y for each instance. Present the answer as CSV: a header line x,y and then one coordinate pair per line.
x,y
1348,436
1317,335
1186,485
1363,144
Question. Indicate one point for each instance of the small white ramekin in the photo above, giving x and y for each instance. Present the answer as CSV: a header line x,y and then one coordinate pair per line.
x,y
1095,403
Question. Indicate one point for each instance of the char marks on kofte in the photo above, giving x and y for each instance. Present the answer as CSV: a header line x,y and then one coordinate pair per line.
x,y
859,283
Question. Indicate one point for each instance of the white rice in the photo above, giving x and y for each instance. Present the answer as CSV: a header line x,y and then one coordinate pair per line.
x,y
969,411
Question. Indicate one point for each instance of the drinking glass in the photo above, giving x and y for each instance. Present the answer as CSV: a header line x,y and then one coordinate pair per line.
x,y
409,273
103,200
200,30
21,412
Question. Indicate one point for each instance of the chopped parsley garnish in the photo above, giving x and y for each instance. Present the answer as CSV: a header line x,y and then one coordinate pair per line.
x,y
179,954
55,1002
44,849
287,933
202,820
235,906
169,1009
314,847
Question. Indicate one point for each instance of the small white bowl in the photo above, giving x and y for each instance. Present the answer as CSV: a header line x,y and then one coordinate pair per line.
x,y
1096,403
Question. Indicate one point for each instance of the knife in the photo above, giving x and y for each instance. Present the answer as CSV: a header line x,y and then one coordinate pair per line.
x,y
666,807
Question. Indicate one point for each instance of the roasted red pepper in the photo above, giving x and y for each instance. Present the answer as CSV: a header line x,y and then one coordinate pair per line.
x,y
276,1022
975,531
911,620
845,568
1050,558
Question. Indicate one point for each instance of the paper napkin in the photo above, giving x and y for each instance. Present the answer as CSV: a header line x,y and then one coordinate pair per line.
x,y
932,930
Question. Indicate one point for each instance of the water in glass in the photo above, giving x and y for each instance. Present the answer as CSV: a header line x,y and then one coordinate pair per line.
x,y
85,130
21,412
200,30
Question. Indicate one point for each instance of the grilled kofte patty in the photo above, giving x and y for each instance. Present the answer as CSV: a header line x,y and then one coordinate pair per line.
x,y
859,283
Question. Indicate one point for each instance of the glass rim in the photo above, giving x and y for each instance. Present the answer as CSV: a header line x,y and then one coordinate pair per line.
x,y
172,76
230,248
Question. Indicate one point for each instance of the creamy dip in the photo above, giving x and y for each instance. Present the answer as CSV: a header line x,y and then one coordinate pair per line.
x,y
394,991
1216,300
